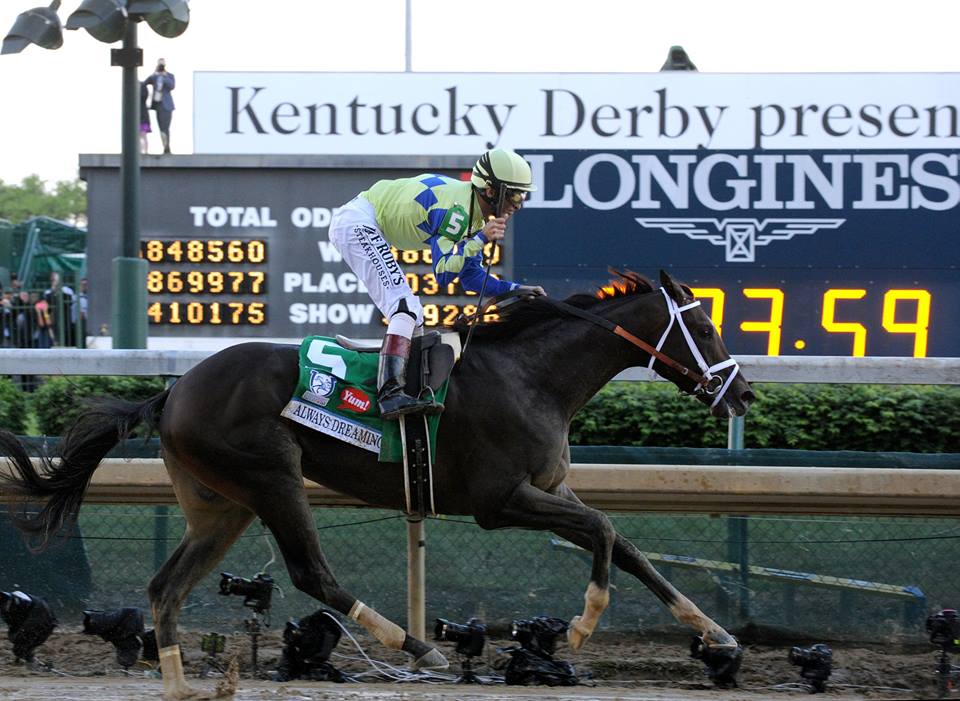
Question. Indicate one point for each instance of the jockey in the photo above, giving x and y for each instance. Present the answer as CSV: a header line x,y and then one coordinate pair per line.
x,y
454,219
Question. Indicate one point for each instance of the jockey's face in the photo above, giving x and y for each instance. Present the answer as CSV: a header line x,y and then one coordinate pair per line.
x,y
512,200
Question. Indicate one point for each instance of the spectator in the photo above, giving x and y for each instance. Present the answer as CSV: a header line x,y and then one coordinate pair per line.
x,y
23,329
43,332
79,316
7,320
144,118
23,320
59,299
162,83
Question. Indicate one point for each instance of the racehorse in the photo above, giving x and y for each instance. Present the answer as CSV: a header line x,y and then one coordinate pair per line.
x,y
502,452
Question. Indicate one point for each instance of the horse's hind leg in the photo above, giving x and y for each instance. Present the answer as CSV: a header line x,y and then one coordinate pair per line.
x,y
213,525
286,512
628,558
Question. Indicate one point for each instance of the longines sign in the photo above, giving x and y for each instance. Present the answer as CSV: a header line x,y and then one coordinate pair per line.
x,y
456,113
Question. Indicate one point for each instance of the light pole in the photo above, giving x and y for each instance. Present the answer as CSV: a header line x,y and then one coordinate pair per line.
x,y
111,21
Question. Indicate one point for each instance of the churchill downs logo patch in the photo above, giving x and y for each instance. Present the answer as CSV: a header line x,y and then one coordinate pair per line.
x,y
321,388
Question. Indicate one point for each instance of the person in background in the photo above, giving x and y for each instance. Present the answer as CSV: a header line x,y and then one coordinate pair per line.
x,y
79,316
59,299
455,219
162,83
7,320
144,118
43,330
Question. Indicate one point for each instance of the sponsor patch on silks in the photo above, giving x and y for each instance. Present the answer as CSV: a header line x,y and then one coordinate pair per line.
x,y
337,395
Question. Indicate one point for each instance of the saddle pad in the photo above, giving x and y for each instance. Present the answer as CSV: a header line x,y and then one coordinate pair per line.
x,y
337,395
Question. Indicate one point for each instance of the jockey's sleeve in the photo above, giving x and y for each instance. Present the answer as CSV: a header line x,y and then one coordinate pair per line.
x,y
465,259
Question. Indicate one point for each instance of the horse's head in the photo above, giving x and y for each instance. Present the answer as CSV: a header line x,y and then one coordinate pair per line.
x,y
690,338
686,348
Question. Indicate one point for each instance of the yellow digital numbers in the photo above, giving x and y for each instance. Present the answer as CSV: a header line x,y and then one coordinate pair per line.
x,y
904,312
717,299
207,313
774,324
202,251
216,281
829,322
920,325
213,282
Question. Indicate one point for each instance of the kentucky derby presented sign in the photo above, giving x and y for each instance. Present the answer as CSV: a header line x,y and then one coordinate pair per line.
x,y
467,113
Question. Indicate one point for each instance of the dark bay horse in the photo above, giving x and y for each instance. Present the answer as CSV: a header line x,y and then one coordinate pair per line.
x,y
502,450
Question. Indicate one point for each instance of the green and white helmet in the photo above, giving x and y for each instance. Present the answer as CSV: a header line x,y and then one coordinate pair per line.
x,y
502,166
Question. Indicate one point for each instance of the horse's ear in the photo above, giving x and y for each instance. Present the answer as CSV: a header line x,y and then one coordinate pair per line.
x,y
679,292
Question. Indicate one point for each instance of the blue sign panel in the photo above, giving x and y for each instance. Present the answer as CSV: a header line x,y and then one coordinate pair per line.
x,y
793,252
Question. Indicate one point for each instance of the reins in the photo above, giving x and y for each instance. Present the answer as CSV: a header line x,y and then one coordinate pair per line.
x,y
706,382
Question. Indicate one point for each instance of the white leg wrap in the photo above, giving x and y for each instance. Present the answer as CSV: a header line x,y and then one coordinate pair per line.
x,y
582,627
171,667
388,633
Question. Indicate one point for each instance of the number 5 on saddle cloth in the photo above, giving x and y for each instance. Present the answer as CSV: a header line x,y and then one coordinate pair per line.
x,y
336,395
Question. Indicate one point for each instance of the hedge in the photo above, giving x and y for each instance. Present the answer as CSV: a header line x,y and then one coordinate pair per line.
x,y
59,400
13,407
902,418
909,418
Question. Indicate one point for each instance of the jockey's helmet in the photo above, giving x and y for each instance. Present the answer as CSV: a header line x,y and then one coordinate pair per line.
x,y
502,166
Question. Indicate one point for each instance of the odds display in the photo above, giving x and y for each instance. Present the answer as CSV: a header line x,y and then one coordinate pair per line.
x,y
217,282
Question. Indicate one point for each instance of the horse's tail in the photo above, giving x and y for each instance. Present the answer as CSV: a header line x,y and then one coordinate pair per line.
x,y
62,486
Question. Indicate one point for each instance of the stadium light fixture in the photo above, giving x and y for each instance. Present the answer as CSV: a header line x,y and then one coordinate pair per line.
x,y
168,18
104,20
677,60
40,26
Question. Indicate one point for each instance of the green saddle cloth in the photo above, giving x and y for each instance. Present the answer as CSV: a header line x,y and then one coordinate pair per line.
x,y
337,395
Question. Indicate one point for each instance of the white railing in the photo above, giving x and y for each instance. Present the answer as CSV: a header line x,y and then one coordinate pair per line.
x,y
757,368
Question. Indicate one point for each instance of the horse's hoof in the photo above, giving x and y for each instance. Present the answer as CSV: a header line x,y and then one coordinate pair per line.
x,y
432,660
577,634
723,662
720,639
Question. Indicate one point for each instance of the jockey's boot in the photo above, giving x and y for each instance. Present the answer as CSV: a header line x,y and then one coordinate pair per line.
x,y
392,379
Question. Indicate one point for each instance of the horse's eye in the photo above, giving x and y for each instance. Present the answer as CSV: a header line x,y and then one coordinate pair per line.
x,y
706,332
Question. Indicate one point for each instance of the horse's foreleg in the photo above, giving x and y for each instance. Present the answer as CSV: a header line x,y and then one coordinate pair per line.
x,y
628,558
529,507
213,524
287,514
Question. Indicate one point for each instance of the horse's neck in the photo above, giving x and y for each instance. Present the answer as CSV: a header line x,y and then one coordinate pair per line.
x,y
572,361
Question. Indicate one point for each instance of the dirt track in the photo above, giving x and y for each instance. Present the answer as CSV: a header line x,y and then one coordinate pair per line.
x,y
622,667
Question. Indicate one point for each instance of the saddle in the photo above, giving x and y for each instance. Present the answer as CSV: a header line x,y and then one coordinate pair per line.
x,y
432,357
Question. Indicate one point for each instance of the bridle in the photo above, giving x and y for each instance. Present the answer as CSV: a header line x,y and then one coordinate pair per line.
x,y
707,383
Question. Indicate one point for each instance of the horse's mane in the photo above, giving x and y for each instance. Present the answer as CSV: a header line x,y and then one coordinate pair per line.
x,y
531,312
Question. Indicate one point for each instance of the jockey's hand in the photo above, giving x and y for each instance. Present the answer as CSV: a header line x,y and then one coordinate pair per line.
x,y
494,228
534,290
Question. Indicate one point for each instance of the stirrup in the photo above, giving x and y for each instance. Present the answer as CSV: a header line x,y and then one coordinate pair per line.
x,y
435,407
404,405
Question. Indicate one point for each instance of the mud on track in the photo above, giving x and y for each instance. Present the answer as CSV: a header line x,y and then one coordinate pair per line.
x,y
624,668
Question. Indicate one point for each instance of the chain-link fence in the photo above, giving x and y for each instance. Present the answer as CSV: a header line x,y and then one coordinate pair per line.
x,y
800,576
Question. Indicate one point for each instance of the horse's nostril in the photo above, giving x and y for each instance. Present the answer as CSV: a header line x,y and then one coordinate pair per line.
x,y
747,397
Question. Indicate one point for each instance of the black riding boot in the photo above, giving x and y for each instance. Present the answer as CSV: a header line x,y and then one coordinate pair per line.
x,y
392,379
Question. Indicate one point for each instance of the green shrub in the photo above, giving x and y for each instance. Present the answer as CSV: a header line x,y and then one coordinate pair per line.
x,y
916,419
13,407
59,400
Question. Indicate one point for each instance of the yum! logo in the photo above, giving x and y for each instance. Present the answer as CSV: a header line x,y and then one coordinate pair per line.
x,y
354,400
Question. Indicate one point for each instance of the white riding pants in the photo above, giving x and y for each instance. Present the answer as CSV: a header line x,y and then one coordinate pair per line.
x,y
355,233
